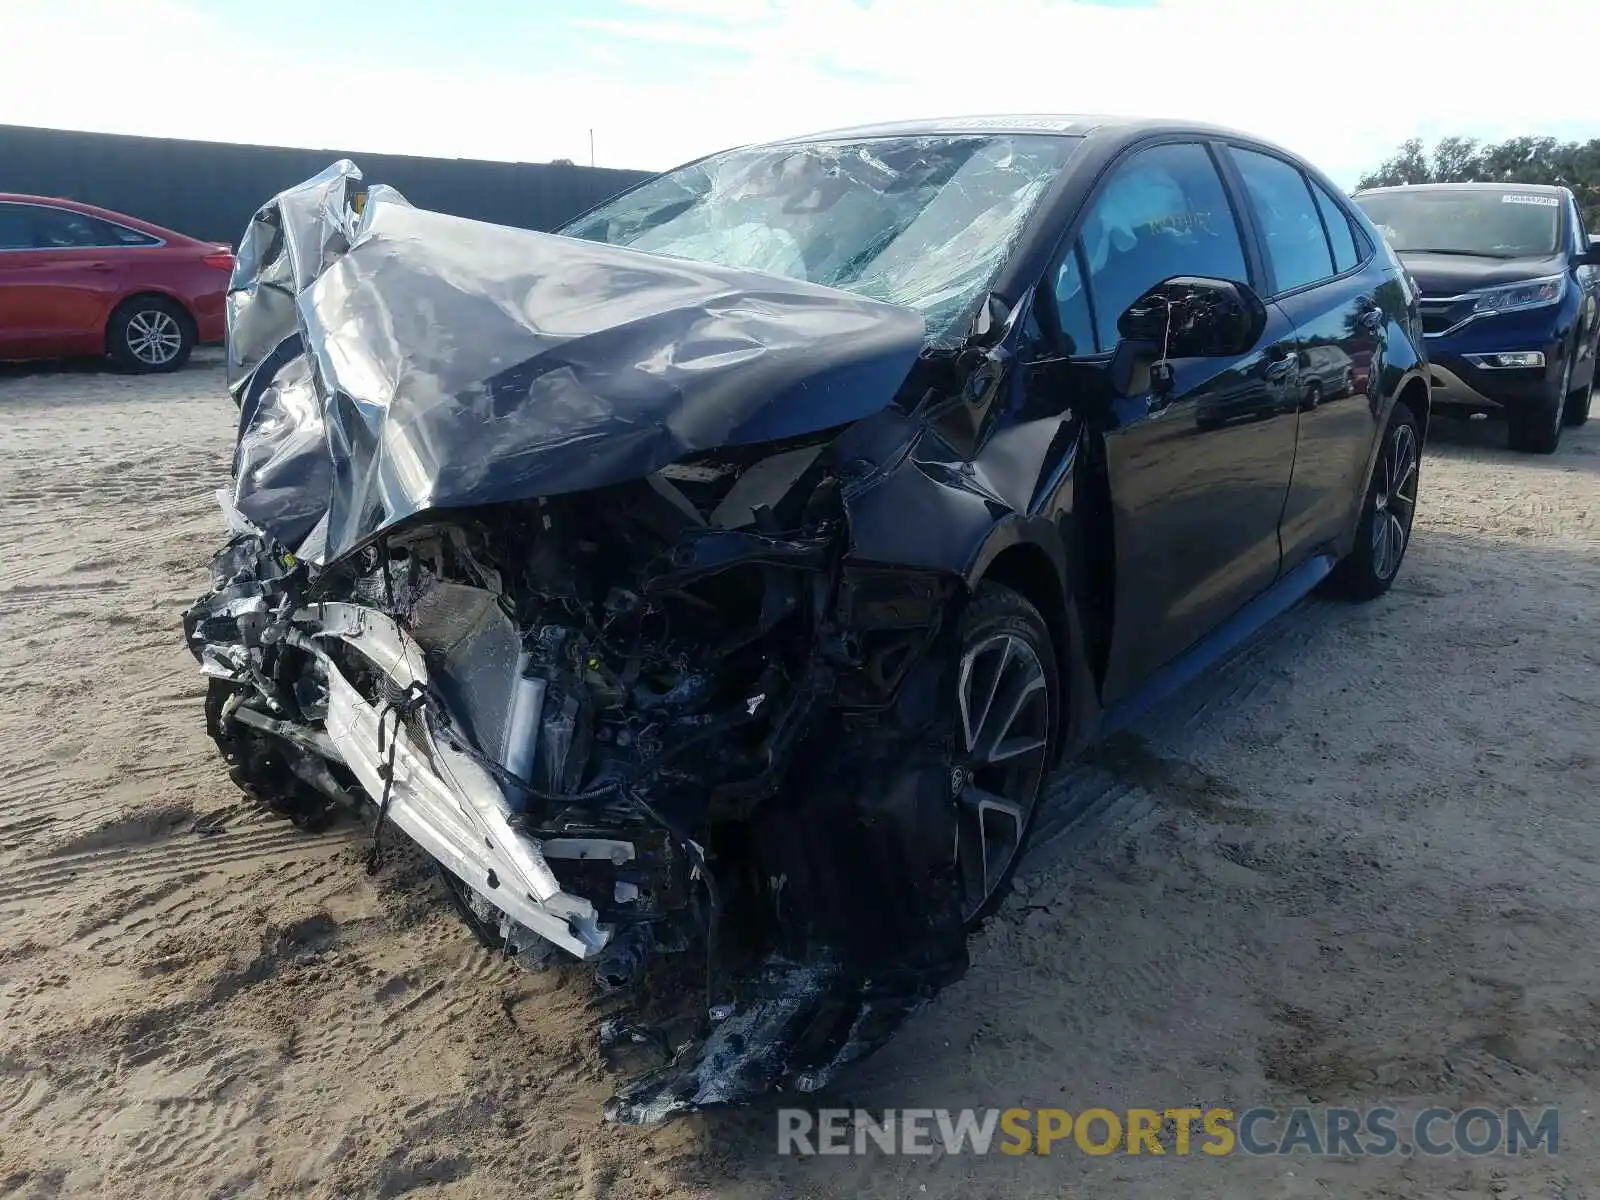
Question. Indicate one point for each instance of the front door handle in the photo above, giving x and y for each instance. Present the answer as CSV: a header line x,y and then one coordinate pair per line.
x,y
1281,369
98,266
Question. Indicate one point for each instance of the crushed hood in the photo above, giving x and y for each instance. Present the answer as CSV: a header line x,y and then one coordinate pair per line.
x,y
400,360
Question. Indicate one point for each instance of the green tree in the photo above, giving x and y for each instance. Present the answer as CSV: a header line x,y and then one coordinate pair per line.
x,y
1456,160
1517,160
1408,164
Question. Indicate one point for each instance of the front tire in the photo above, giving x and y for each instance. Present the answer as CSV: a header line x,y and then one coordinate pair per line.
x,y
1540,432
1008,707
1577,408
1384,533
150,334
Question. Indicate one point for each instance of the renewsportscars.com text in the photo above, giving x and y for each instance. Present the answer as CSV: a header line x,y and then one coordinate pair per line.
x,y
1179,1131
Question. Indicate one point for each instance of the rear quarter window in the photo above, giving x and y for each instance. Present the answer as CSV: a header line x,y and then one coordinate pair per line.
x,y
1340,235
121,235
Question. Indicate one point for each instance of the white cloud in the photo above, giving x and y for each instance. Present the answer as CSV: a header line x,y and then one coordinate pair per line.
x,y
666,32
1342,81
720,11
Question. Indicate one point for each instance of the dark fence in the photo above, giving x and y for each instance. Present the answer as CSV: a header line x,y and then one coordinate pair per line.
x,y
209,190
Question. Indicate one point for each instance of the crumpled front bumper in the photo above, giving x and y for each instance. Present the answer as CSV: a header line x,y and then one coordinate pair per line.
x,y
442,798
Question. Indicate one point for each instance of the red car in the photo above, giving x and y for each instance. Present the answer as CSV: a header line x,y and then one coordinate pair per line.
x,y
79,280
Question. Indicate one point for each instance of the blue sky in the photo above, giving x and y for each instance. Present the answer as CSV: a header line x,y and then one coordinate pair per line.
x,y
660,81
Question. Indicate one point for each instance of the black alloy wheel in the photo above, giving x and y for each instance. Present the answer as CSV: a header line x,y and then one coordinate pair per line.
x,y
1384,533
1008,705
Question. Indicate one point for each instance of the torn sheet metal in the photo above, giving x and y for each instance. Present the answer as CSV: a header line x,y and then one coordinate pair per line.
x,y
436,362
425,785
608,575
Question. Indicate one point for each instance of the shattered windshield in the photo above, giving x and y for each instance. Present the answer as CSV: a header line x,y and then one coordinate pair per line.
x,y
1492,223
921,221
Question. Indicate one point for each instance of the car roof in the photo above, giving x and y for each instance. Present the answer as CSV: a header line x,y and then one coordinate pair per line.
x,y
1536,189
105,214
1058,124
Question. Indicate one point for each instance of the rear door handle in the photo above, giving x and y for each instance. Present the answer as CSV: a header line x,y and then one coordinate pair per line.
x,y
1371,318
98,266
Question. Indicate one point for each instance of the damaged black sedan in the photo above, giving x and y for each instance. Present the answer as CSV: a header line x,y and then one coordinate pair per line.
x,y
716,581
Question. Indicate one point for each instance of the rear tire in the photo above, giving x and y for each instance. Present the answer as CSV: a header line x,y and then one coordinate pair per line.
x,y
150,334
1384,533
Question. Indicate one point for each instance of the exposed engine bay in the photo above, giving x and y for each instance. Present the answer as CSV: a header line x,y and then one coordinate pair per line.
x,y
674,738
666,722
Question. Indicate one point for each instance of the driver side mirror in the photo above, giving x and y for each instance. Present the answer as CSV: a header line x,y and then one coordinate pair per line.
x,y
1193,317
1591,256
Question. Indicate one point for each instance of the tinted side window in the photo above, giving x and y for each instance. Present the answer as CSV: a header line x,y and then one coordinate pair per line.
x,y
1344,242
1287,216
1072,303
16,231
60,228
1163,213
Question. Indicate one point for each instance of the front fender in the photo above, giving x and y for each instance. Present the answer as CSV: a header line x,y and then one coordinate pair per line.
x,y
926,507
910,499
923,507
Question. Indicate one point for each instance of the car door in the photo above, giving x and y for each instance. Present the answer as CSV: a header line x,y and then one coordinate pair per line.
x,y
57,290
1315,264
17,323
1588,280
1197,475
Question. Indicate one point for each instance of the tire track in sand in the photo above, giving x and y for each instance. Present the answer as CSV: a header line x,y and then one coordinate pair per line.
x,y
153,862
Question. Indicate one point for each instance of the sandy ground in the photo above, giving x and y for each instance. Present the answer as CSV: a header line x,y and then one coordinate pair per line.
x,y
1357,865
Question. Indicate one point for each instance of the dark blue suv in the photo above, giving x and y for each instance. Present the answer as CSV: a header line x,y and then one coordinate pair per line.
x,y
1509,282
